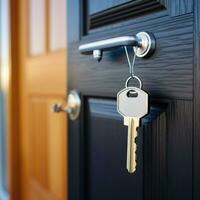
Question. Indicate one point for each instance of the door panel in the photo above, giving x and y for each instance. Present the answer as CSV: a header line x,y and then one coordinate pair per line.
x,y
97,140
46,156
105,153
196,135
37,28
57,13
97,6
105,14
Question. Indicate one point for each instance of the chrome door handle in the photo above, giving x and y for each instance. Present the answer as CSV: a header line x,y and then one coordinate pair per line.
x,y
72,106
144,44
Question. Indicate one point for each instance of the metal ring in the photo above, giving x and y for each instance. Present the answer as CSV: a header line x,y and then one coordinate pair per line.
x,y
132,77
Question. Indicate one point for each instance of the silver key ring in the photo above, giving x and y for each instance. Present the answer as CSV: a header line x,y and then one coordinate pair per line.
x,y
133,77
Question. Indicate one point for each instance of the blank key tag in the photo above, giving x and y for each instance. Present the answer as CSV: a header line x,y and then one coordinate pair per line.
x,y
132,104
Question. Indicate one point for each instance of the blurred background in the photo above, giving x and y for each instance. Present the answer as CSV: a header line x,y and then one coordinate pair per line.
x,y
33,141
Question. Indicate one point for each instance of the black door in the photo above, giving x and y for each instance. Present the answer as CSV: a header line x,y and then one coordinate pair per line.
x,y
168,142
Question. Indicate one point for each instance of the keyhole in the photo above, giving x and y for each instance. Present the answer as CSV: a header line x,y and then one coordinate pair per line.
x,y
132,93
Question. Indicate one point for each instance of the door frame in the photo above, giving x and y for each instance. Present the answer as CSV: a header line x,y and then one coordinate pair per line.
x,y
196,103
14,170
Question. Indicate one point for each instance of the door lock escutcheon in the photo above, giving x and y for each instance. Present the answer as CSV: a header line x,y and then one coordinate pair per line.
x,y
72,106
143,43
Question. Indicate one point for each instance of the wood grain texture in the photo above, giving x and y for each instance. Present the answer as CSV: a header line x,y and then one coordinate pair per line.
x,y
179,145
174,52
76,160
180,7
155,152
168,152
196,140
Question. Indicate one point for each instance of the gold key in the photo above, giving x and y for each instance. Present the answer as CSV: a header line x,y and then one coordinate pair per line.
x,y
132,108
133,124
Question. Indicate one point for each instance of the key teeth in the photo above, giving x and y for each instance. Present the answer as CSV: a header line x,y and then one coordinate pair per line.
x,y
136,139
132,169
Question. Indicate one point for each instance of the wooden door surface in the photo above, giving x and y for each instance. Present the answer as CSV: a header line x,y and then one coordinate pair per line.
x,y
41,32
168,139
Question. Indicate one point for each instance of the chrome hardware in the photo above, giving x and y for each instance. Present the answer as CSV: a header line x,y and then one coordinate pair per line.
x,y
72,106
97,54
148,44
144,45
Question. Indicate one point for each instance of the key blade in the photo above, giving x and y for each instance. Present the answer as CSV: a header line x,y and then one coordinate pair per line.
x,y
131,147
133,124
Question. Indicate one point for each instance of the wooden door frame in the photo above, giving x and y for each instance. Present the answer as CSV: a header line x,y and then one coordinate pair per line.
x,y
14,103
10,57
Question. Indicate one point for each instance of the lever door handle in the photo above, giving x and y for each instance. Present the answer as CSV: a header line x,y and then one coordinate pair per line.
x,y
71,106
143,43
109,44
